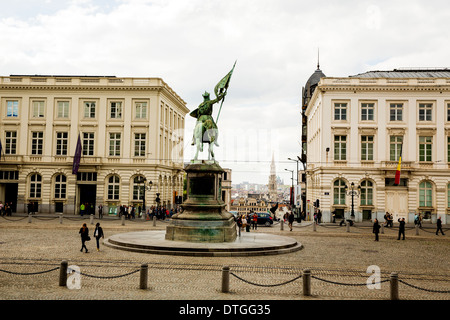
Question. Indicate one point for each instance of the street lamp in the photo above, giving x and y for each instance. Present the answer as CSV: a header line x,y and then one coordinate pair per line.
x,y
292,189
353,193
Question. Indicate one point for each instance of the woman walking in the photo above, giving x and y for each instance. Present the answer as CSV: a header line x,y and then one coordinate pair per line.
x,y
84,232
98,233
376,229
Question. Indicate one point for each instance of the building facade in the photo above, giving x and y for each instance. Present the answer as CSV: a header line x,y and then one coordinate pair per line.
x,y
359,126
131,132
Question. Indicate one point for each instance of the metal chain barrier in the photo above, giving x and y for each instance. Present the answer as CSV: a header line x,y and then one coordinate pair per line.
x,y
423,289
347,284
28,274
108,277
265,285
8,219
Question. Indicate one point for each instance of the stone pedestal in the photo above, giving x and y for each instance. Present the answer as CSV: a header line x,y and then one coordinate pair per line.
x,y
204,218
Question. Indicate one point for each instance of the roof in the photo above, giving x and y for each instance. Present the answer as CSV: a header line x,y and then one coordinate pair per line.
x,y
406,73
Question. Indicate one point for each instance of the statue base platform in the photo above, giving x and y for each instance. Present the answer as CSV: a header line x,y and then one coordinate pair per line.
x,y
248,244
204,218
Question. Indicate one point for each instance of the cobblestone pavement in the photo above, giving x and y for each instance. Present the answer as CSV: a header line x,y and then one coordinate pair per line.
x,y
31,253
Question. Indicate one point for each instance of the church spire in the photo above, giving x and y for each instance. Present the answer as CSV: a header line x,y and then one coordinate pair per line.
x,y
318,64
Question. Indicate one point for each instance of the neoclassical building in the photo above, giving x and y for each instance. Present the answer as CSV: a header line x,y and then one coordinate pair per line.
x,y
356,129
131,132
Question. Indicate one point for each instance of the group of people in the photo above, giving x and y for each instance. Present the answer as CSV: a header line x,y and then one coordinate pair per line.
x,y
401,227
6,209
247,221
84,233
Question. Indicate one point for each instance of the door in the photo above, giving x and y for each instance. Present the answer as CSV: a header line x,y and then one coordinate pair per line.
x,y
397,203
11,195
87,194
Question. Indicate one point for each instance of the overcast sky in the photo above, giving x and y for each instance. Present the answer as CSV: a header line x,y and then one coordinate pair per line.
x,y
192,44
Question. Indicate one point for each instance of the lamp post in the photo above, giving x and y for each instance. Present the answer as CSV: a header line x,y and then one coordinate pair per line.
x,y
353,193
292,184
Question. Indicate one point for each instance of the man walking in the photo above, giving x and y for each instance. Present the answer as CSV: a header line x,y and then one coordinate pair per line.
x,y
439,226
401,228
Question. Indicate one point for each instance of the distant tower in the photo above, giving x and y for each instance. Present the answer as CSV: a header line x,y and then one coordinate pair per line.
x,y
273,181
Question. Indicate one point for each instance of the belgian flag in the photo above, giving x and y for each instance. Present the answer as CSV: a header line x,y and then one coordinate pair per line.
x,y
399,166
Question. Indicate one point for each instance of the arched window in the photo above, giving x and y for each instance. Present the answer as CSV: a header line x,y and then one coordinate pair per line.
x,y
425,194
366,193
113,188
35,185
60,186
138,188
339,191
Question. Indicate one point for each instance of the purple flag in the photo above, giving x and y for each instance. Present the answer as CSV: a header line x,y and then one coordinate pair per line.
x,y
77,156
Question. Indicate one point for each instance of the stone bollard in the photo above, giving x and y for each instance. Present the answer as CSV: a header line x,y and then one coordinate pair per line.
x,y
154,221
417,229
143,277
63,274
347,224
282,224
314,226
123,220
29,218
306,282
382,228
60,218
226,279
394,286
92,219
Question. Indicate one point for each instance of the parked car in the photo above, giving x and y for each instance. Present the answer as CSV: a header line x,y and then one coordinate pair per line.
x,y
265,219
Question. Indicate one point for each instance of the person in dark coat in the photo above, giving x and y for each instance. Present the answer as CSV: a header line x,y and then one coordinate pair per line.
x,y
439,226
291,219
98,233
401,228
376,229
84,232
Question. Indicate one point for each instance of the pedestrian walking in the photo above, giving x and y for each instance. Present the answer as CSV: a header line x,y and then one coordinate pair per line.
x,y
401,228
376,229
291,220
100,211
84,232
439,226
98,233
254,221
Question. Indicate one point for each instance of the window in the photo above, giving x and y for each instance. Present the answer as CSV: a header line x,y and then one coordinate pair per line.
x,y
367,111
448,195
138,188
141,110
113,188
425,194
339,192
88,143
395,147
366,193
448,111
89,109
340,111
35,185
60,186
448,149
396,112
115,110
37,142
10,142
61,143
63,109
114,144
425,144
340,147
12,108
425,111
139,144
38,109
366,148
